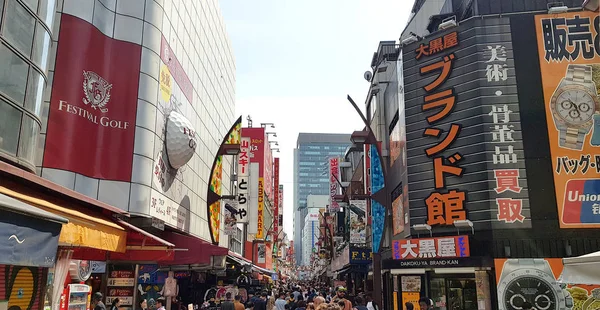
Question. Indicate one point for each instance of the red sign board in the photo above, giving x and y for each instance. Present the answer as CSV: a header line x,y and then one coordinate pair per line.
x,y
276,195
431,248
91,124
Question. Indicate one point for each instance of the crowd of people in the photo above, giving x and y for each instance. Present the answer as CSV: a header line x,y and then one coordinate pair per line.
x,y
297,297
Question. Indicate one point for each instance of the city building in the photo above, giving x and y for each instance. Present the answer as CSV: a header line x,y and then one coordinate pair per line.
x,y
311,156
112,114
483,205
315,205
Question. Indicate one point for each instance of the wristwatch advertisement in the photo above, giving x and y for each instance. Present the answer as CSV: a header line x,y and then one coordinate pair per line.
x,y
531,280
574,105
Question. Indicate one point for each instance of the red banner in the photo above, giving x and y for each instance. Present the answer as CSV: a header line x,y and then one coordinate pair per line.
x,y
334,173
276,195
91,125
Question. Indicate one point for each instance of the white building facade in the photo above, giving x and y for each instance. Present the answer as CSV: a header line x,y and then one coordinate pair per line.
x,y
126,75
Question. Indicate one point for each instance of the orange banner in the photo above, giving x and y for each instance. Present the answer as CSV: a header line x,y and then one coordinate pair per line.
x,y
535,281
569,55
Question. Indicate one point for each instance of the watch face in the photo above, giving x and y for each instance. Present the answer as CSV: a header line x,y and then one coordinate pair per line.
x,y
575,106
532,289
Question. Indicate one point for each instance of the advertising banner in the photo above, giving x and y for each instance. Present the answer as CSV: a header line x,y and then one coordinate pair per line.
x,y
358,221
260,233
276,195
431,248
231,211
334,176
243,180
535,280
569,55
464,142
262,253
253,204
91,123
398,211
377,209
360,256
280,219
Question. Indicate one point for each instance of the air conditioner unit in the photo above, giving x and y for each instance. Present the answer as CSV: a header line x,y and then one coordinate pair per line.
x,y
448,23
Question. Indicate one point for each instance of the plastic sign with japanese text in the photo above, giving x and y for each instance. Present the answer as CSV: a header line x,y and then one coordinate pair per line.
x,y
569,56
431,248
463,130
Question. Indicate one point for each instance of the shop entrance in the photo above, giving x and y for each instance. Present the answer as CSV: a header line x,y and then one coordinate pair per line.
x,y
454,293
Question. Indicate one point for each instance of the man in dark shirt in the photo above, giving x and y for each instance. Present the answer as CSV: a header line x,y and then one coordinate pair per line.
x,y
97,302
228,303
261,303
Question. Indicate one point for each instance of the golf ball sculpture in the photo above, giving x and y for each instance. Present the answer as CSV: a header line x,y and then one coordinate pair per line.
x,y
180,140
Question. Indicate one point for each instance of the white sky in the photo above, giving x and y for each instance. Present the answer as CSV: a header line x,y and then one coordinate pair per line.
x,y
297,60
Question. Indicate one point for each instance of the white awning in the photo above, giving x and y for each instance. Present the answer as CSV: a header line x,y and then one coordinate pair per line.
x,y
584,269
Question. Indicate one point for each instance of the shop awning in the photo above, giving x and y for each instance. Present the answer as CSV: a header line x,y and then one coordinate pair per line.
x,y
142,246
191,250
28,235
83,229
583,269
238,259
264,271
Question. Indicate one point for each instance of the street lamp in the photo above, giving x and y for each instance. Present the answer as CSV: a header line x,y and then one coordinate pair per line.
x,y
276,149
229,149
464,224
423,228
271,133
264,125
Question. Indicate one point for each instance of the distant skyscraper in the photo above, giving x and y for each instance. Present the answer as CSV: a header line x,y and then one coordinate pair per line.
x,y
311,175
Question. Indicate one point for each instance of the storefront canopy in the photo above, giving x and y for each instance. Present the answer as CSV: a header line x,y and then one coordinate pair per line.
x,y
191,250
87,229
243,261
28,235
583,269
141,246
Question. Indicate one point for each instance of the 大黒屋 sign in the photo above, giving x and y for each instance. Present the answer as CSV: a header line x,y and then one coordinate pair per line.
x,y
431,248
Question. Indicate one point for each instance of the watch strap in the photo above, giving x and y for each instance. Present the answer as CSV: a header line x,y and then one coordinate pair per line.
x,y
581,74
571,138
538,263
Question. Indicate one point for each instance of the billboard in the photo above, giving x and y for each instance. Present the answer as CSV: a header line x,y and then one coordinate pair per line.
x,y
535,280
260,227
358,221
569,56
464,142
243,180
91,123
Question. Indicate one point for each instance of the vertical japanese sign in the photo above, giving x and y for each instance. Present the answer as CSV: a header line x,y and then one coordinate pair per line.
x,y
260,233
377,209
243,180
444,205
507,161
358,221
280,218
253,204
276,198
569,55
334,176
464,141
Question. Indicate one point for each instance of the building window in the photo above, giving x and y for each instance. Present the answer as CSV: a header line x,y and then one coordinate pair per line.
x,y
13,74
30,130
10,124
19,27
41,47
235,241
35,90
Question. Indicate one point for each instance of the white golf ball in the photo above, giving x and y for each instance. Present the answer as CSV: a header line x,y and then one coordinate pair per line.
x,y
181,140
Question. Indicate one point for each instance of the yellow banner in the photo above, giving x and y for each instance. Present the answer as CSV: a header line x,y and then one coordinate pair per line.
x,y
261,205
569,56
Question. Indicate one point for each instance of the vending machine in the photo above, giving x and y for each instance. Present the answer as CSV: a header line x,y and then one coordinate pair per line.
x,y
76,297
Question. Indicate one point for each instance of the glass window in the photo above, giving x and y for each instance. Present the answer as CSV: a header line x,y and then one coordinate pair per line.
x,y
33,4
10,122
18,27
41,47
1,7
13,74
46,11
28,141
35,89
